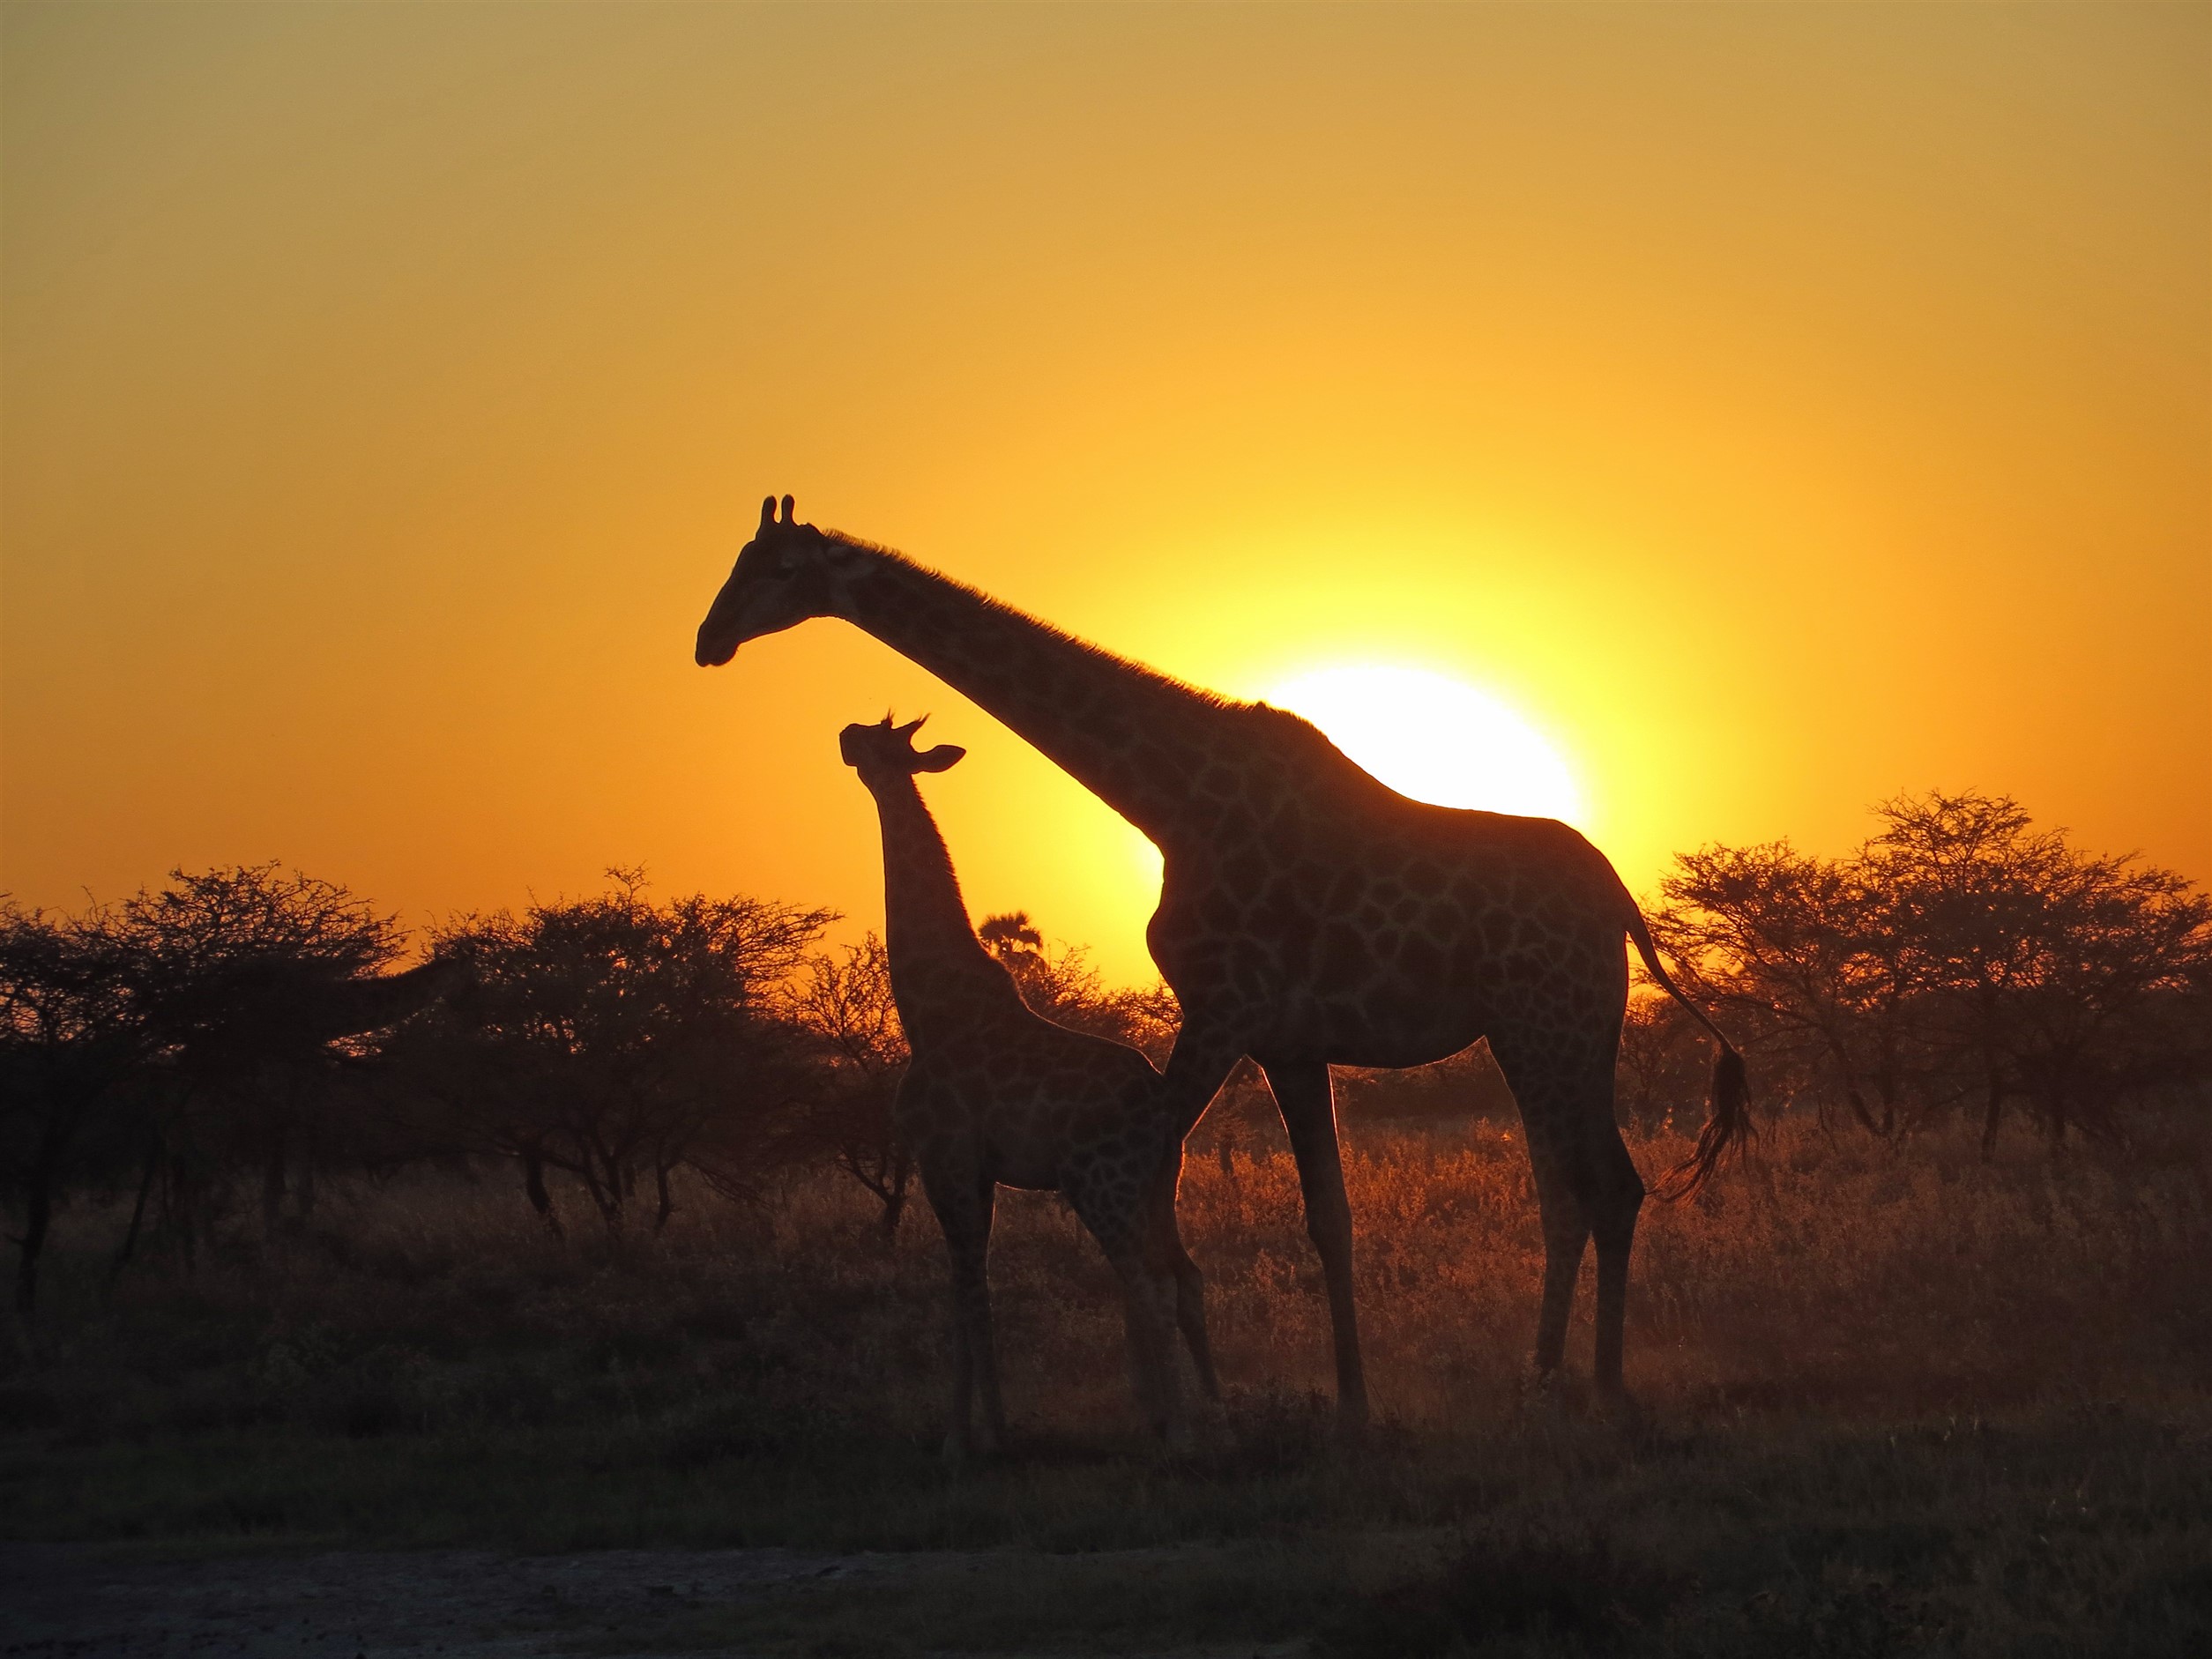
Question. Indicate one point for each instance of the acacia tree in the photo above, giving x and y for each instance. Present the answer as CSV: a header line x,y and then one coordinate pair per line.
x,y
2120,997
197,1031
70,1043
1960,953
617,1039
1804,958
2060,974
845,1002
254,986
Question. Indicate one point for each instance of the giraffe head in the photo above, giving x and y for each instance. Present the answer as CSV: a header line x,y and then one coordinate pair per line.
x,y
883,753
781,579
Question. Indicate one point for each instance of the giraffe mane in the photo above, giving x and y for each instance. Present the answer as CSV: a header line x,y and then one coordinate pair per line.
x,y
1057,635
1276,726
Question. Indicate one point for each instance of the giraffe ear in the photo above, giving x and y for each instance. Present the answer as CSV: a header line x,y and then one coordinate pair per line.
x,y
942,758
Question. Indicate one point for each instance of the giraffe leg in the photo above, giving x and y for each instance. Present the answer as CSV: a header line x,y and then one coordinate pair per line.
x,y
963,1205
1203,1059
1190,1315
1310,1113
982,1342
1120,1221
1189,1281
1566,1236
1148,1295
1616,1196
1586,1184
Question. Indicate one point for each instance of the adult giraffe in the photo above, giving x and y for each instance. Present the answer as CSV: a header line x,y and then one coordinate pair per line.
x,y
1308,915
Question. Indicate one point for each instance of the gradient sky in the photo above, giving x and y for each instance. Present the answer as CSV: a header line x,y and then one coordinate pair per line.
x,y
1781,406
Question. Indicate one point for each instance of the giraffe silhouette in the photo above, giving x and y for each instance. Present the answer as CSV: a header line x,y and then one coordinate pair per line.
x,y
996,1095
1308,915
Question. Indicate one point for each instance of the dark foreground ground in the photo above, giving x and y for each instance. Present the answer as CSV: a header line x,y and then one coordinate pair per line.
x,y
2081,1531
472,1604
1892,1404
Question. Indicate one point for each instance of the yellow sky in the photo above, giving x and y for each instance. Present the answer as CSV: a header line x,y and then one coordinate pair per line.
x,y
1780,407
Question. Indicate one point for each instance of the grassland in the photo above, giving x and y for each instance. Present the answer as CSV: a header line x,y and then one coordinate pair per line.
x,y
1893,1400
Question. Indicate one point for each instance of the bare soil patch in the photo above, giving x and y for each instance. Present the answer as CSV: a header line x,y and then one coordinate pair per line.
x,y
91,1603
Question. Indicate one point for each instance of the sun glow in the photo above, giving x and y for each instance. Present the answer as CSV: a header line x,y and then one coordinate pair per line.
x,y
1435,738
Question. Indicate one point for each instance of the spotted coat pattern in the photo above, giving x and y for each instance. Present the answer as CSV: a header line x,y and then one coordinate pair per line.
x,y
1308,915
996,1096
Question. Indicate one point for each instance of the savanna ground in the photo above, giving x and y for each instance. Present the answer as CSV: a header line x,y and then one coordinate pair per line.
x,y
1893,1401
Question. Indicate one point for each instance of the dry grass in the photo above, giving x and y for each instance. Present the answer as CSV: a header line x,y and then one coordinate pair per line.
x,y
1893,1401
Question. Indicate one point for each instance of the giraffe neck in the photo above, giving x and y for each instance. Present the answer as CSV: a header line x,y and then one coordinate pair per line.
x,y
1131,737
938,966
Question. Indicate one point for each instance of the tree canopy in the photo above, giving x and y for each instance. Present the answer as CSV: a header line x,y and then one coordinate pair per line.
x,y
1959,958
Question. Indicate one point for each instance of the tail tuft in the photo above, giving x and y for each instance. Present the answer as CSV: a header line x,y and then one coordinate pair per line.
x,y
1730,1122
1729,1125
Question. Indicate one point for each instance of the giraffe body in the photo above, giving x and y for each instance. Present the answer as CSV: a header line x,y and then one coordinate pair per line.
x,y
1309,916
996,1095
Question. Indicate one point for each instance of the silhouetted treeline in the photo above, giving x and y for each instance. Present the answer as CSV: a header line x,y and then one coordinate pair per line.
x,y
216,1052
192,1045
238,1038
1960,962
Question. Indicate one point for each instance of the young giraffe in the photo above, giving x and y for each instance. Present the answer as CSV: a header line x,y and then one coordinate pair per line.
x,y
1308,915
996,1095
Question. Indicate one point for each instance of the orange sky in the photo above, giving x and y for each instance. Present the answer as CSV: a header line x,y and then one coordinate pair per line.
x,y
1780,407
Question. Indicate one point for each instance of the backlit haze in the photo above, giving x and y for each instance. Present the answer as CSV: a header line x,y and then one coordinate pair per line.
x,y
1764,410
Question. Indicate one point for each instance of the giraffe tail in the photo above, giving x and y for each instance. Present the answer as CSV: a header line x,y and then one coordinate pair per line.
x,y
1729,1121
1729,1125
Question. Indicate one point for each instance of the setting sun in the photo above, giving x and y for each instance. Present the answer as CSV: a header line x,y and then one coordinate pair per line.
x,y
1436,739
